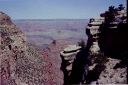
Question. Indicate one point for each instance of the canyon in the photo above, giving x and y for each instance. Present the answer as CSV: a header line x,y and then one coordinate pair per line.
x,y
57,52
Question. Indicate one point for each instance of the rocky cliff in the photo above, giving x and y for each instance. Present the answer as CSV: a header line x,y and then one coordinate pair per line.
x,y
22,63
104,59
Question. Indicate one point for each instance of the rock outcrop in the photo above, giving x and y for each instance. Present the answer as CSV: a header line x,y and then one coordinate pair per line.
x,y
68,55
104,59
22,63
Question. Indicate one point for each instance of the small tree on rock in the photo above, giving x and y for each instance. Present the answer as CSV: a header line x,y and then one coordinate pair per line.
x,y
82,44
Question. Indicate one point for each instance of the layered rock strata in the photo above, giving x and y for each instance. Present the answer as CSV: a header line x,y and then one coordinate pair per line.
x,y
104,59
68,55
107,48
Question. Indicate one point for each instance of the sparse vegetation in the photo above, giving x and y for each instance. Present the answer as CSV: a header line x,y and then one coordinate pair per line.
x,y
82,44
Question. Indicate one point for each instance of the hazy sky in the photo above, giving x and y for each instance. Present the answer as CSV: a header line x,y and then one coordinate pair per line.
x,y
56,9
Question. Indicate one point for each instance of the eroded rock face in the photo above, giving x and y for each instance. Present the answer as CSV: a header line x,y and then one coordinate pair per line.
x,y
104,59
22,63
68,56
105,42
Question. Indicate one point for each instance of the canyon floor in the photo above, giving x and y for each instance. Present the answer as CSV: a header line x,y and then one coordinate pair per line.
x,y
43,32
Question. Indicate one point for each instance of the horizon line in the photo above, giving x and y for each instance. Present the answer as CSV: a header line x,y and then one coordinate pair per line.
x,y
55,19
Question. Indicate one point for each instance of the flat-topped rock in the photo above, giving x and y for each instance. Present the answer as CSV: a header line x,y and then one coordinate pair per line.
x,y
71,48
92,27
70,52
68,56
95,23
